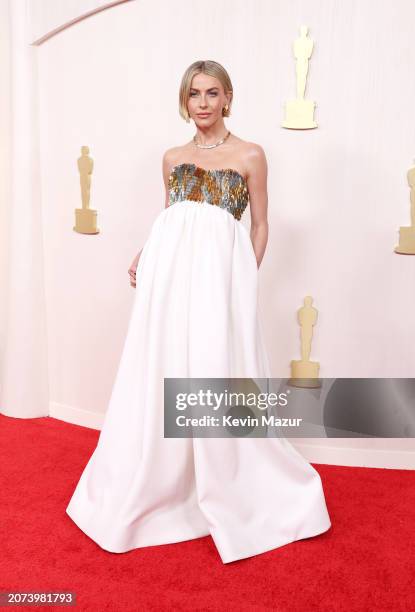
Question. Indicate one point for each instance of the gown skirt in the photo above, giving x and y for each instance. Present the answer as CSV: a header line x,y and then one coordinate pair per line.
x,y
195,314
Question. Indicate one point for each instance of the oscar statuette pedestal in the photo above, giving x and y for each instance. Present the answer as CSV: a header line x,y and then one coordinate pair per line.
x,y
406,244
305,374
86,221
299,114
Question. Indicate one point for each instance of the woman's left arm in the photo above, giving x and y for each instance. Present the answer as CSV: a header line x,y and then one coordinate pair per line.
x,y
257,171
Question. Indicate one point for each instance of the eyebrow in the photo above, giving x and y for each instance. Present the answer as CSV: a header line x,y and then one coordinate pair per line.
x,y
210,88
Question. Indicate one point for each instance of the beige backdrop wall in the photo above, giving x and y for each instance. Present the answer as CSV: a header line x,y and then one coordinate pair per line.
x,y
5,113
337,194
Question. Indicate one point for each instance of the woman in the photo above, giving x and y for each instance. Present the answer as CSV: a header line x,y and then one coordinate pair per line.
x,y
195,316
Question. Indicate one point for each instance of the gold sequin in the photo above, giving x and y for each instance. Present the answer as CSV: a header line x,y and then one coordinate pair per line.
x,y
225,187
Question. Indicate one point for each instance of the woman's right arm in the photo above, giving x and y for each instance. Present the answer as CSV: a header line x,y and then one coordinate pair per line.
x,y
133,268
167,164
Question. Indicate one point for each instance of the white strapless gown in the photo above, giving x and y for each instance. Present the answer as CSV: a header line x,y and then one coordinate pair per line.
x,y
195,314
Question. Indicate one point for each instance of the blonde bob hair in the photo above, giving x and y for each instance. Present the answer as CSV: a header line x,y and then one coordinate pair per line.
x,y
212,69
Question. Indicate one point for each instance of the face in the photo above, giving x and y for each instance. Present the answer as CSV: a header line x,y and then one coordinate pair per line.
x,y
206,99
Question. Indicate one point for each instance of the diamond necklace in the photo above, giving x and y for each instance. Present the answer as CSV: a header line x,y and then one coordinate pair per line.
x,y
201,146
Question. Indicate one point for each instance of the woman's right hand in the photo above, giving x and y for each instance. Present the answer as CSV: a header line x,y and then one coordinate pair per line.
x,y
133,268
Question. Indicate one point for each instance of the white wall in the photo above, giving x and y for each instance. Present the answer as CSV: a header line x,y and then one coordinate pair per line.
x,y
4,158
337,194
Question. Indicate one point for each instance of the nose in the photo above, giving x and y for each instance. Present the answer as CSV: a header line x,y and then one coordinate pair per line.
x,y
203,102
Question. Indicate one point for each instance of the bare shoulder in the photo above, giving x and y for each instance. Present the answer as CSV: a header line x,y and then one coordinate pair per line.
x,y
169,160
254,151
254,158
170,155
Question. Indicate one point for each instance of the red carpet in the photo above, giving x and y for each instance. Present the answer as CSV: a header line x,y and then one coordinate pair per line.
x,y
365,562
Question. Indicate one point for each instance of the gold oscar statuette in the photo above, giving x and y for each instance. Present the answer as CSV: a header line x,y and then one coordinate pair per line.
x,y
85,217
299,113
406,244
304,373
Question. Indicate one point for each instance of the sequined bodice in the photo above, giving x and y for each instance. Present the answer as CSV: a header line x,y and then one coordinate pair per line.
x,y
224,187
